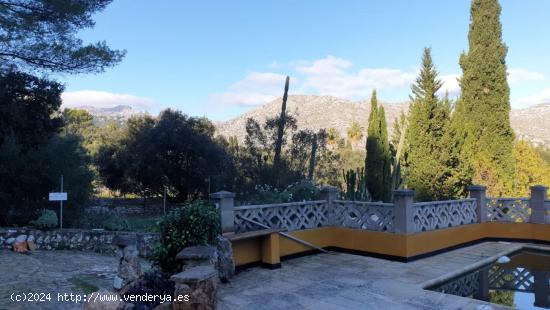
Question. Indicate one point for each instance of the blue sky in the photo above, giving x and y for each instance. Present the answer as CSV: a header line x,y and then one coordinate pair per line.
x,y
221,58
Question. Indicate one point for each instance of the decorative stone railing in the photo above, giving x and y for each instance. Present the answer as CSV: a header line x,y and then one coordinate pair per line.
x,y
444,214
515,210
290,216
403,216
364,215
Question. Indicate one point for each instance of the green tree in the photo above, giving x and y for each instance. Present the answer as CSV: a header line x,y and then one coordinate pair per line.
x,y
378,158
355,132
41,34
32,153
430,158
482,118
531,169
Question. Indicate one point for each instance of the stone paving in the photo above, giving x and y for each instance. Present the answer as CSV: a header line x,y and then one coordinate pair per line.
x,y
51,272
344,281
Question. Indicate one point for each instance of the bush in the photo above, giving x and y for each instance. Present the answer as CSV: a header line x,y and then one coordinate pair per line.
x,y
116,224
196,223
46,220
302,191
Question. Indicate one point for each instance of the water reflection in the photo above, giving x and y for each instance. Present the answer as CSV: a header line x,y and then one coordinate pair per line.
x,y
523,282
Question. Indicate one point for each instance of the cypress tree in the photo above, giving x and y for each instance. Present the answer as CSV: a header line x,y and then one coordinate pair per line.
x,y
482,119
378,157
430,159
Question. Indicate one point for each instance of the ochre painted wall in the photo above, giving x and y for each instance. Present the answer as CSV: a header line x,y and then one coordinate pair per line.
x,y
405,246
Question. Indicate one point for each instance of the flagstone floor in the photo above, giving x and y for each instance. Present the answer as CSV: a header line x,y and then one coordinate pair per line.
x,y
345,281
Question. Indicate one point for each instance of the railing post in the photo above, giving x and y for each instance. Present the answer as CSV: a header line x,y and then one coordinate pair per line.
x,y
536,203
478,192
403,200
225,202
330,193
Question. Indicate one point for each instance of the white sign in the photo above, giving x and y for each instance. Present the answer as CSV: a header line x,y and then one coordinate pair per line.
x,y
58,196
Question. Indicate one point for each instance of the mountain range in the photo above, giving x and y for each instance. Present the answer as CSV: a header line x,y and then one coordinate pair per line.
x,y
316,112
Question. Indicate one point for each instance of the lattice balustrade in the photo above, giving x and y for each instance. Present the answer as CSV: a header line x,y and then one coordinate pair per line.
x,y
364,215
547,208
290,216
464,286
443,214
512,279
508,209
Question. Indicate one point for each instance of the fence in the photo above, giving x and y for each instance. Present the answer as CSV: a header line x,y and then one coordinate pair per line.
x,y
403,216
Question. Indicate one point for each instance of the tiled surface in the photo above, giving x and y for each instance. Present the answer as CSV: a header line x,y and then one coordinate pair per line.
x,y
345,281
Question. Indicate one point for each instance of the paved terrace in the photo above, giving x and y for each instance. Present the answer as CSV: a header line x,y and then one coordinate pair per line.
x,y
345,281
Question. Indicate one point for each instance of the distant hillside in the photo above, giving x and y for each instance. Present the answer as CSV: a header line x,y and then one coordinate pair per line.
x,y
533,123
315,112
118,114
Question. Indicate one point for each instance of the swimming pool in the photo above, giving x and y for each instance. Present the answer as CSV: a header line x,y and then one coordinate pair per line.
x,y
522,282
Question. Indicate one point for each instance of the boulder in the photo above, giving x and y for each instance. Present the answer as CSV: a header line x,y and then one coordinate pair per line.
x,y
20,244
195,288
30,243
198,256
107,300
10,240
225,265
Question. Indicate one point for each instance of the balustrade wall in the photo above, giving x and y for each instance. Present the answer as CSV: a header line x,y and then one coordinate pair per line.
x,y
403,216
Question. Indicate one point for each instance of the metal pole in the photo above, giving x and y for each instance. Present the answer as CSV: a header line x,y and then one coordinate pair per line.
x,y
164,202
61,207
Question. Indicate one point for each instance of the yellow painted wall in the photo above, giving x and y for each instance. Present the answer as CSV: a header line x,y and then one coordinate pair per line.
x,y
250,250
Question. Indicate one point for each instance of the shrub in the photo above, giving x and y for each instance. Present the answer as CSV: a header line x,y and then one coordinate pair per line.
x,y
46,220
302,191
196,223
115,224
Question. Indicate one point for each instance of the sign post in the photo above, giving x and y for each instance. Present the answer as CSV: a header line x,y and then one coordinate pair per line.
x,y
61,196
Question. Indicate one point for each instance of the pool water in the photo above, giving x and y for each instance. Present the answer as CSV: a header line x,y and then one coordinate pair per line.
x,y
524,282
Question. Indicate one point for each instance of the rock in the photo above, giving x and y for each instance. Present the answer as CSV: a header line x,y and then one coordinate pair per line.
x,y
94,303
118,283
20,244
196,288
503,260
201,255
10,240
31,245
164,306
225,265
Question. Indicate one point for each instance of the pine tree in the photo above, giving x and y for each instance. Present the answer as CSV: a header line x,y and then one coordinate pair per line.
x,y
378,157
430,156
482,120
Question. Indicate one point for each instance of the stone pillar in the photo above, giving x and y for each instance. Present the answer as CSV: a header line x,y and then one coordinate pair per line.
x,y
403,211
541,288
195,288
330,193
536,203
129,266
478,193
482,292
225,202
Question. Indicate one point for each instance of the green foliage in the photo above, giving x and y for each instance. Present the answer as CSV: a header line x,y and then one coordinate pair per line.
x,y
173,151
196,223
33,154
299,191
531,169
431,156
356,185
116,223
505,298
378,159
41,35
355,132
46,220
482,119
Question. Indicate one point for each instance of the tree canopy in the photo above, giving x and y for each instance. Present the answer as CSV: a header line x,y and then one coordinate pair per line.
x,y
42,35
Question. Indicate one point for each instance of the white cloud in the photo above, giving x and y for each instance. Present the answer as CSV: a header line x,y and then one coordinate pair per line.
x,y
520,75
255,89
332,76
540,97
450,85
102,99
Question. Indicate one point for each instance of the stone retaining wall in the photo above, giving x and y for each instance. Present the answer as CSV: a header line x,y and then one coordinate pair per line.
x,y
100,241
